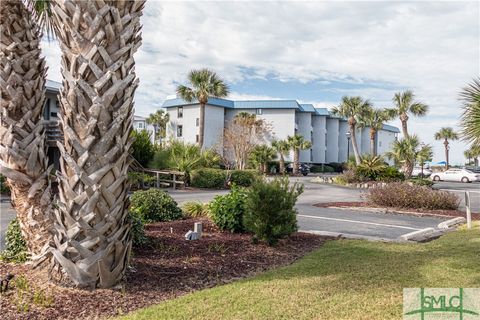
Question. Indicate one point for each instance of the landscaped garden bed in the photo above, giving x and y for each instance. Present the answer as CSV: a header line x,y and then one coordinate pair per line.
x,y
166,267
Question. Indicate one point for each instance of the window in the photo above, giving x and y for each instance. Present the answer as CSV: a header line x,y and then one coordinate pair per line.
x,y
140,125
379,143
46,112
197,138
259,111
179,131
180,112
197,122
53,114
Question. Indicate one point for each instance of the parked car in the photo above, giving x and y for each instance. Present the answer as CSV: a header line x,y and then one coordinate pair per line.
x,y
474,169
417,172
462,175
303,168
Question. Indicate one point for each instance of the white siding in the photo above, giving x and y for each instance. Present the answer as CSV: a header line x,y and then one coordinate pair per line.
x,y
319,124
365,140
385,139
214,127
343,141
188,121
332,139
304,128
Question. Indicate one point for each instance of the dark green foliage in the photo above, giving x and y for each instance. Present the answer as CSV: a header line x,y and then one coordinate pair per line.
x,y
337,167
138,230
15,245
370,167
208,178
139,179
243,178
390,174
154,205
227,211
161,159
322,169
4,188
142,148
270,212
422,182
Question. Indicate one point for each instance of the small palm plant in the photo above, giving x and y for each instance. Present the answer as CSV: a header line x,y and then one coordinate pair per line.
x,y
159,120
445,134
204,84
283,148
404,105
470,120
423,155
261,155
353,108
371,166
297,143
374,119
404,152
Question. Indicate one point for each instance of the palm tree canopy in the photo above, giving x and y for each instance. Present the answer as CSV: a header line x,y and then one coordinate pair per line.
x,y
404,150
470,120
298,142
352,107
425,154
404,104
41,11
281,146
204,84
374,118
446,133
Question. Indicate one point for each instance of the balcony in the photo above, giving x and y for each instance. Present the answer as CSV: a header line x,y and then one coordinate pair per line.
x,y
53,133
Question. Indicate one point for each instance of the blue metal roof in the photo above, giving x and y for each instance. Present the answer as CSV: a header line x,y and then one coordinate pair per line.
x,y
322,112
307,108
266,104
53,85
387,127
211,101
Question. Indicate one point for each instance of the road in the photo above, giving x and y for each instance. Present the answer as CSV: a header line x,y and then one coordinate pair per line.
x,y
310,218
459,189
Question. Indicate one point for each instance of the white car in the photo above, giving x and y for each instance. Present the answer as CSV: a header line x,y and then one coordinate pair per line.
x,y
417,172
462,175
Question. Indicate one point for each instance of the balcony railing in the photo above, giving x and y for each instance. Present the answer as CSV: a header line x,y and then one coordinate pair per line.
x,y
53,133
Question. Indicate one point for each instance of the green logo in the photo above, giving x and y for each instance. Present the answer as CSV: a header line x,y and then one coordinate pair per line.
x,y
441,303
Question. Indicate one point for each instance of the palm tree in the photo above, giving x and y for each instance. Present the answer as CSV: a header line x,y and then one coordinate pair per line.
x,y
445,134
423,155
282,148
373,119
204,84
23,156
469,155
405,152
470,120
352,108
404,105
261,155
297,143
185,157
97,39
159,120
475,151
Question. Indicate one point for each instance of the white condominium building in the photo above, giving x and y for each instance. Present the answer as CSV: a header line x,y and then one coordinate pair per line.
x,y
327,133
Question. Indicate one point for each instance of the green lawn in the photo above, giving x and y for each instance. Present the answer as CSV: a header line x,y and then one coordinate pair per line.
x,y
345,279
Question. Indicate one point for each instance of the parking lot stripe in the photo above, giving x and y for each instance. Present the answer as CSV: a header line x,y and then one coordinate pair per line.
x,y
361,222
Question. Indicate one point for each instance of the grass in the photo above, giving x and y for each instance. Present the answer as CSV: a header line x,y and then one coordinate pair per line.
x,y
345,279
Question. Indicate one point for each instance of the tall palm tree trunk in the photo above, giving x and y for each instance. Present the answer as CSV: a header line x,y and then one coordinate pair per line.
x,y
282,164
201,125
445,143
98,40
404,120
354,144
23,157
372,142
296,160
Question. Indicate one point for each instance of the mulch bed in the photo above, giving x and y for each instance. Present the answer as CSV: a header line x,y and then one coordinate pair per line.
x,y
424,212
166,268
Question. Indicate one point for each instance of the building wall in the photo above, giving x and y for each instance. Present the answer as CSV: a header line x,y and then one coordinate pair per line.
x,y
332,140
304,128
365,140
343,141
385,139
319,124
188,122
214,127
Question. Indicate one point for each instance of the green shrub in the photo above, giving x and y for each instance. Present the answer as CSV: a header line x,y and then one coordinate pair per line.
x,y
154,205
15,245
270,212
422,182
404,195
243,178
320,169
138,179
4,188
348,176
390,174
195,209
142,149
138,230
227,211
208,178
337,167
370,167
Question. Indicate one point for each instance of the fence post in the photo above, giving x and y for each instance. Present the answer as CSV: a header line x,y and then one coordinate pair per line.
x,y
468,209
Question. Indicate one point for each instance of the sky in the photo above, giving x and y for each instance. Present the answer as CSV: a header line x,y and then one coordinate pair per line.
x,y
314,52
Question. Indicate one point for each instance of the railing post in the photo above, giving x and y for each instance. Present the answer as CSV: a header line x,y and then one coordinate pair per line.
x,y
468,209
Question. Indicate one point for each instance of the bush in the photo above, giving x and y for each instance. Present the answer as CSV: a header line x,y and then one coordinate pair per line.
x,y
143,149
15,245
270,213
422,182
195,209
390,174
4,188
227,211
154,205
337,167
208,178
348,176
319,169
138,230
243,178
404,195
370,167
138,179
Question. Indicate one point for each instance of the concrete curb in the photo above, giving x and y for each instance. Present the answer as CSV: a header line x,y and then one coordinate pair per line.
x,y
420,234
452,223
353,236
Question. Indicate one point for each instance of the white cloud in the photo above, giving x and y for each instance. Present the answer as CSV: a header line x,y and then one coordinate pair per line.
x,y
429,47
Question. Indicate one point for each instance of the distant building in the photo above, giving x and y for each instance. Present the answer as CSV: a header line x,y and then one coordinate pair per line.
x,y
287,117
